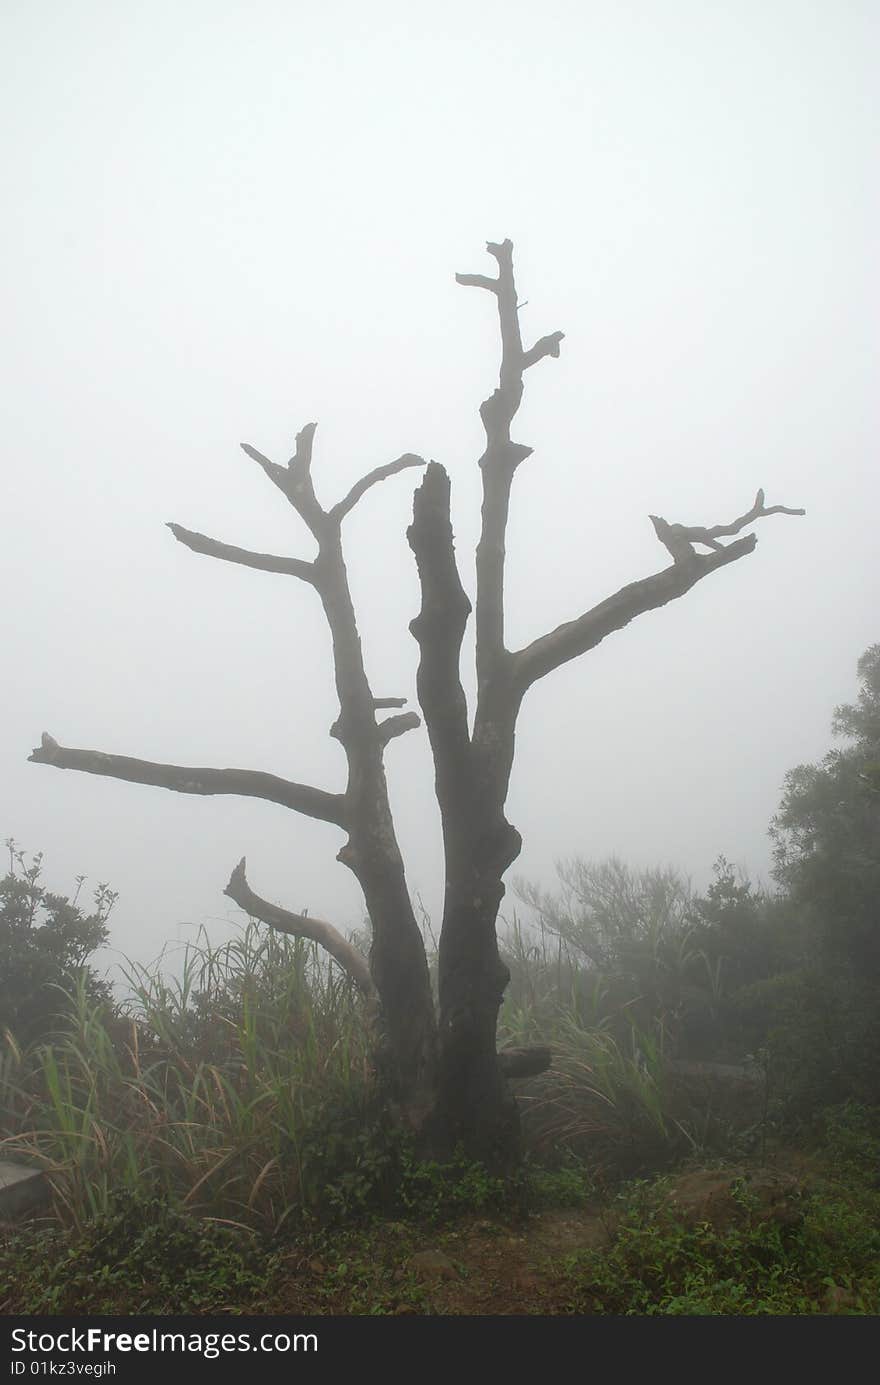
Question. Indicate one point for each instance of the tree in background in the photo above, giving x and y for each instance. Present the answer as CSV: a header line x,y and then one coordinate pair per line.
x,y
442,1071
827,848
45,942
827,835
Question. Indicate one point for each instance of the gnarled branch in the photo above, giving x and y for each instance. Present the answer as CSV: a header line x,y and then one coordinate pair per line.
x,y
249,783
680,538
265,562
352,961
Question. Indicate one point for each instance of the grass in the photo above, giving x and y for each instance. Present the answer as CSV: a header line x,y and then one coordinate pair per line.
x,y
218,1147
558,1248
215,1091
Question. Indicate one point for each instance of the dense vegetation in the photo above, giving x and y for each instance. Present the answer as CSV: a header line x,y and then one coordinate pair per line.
x,y
223,1121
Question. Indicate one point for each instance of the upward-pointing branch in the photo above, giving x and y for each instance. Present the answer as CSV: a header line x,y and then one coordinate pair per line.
x,y
295,480
498,464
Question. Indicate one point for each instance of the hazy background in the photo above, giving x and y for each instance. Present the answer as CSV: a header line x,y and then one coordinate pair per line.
x,y
224,220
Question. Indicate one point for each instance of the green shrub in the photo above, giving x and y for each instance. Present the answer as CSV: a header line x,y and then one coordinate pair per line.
x,y
140,1255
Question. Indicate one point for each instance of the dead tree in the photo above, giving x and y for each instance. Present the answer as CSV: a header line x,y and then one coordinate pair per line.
x,y
441,1071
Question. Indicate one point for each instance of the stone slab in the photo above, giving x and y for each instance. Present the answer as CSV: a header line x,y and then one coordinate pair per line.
x,y
21,1189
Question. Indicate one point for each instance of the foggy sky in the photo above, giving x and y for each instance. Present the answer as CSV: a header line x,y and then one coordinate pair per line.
x,y
225,220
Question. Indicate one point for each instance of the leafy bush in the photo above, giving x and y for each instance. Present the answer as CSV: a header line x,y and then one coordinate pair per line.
x,y
140,1255
45,943
658,1265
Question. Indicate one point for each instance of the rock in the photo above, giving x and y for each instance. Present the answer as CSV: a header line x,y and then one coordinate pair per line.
x,y
712,1195
432,1264
21,1189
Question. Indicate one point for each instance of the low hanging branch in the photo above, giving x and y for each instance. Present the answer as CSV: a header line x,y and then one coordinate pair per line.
x,y
353,962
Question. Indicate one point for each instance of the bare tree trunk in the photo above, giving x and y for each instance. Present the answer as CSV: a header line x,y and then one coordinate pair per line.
x,y
472,769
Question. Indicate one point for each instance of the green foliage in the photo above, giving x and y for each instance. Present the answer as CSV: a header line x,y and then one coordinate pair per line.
x,y
573,1184
45,943
140,1255
657,1264
433,1192
629,931
827,838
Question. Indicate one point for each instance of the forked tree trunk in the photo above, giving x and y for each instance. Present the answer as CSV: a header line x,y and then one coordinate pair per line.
x,y
442,1076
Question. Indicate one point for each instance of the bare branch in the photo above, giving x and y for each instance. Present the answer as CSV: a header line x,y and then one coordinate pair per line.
x,y
380,473
249,783
301,460
265,562
498,464
477,281
379,702
392,727
295,480
352,961
278,475
679,538
544,346
575,637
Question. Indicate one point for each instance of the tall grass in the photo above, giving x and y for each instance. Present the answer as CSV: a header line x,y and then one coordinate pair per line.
x,y
212,1089
240,1084
606,1097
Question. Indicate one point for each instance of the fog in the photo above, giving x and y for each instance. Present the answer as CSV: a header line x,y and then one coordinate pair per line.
x,y
223,221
